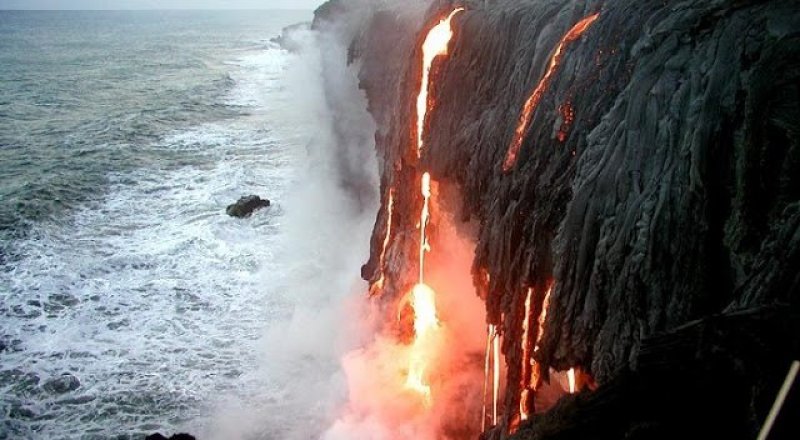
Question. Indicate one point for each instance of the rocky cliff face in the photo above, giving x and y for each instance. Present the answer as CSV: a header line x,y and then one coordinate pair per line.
x,y
658,184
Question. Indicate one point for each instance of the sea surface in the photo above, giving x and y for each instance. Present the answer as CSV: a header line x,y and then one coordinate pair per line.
x,y
129,302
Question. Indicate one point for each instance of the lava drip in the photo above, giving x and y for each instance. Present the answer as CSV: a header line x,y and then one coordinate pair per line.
x,y
525,116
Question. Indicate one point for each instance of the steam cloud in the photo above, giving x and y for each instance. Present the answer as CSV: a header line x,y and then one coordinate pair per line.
x,y
331,373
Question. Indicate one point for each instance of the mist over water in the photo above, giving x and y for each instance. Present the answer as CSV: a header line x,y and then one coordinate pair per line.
x,y
130,302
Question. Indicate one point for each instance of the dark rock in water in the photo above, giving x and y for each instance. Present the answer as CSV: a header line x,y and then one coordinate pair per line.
x,y
159,436
63,384
291,37
245,206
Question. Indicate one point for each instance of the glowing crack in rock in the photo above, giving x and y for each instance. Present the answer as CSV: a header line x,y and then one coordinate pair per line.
x,y
523,124
436,43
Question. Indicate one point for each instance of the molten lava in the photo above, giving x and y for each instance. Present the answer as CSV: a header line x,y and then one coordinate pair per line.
x,y
526,358
423,302
537,373
425,324
378,285
424,217
436,43
571,377
424,298
524,121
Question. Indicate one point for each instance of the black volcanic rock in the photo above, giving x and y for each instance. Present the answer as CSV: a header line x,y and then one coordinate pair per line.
x,y
289,39
62,384
245,206
659,182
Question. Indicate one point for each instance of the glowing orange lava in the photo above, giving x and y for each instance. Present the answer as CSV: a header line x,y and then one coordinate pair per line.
x,y
526,356
424,217
571,377
496,375
493,364
378,285
435,44
536,373
530,105
489,336
423,302
425,324
423,297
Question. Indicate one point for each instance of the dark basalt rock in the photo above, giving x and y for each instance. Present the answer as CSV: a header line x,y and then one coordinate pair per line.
x,y
246,205
62,384
288,38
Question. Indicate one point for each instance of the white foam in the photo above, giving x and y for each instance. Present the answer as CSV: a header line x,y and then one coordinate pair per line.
x,y
153,297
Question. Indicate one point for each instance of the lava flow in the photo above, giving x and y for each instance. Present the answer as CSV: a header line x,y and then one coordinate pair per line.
x,y
536,372
436,43
423,297
526,358
524,121
423,301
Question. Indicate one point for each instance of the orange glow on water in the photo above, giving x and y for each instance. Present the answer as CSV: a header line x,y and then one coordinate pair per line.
x,y
523,124
436,43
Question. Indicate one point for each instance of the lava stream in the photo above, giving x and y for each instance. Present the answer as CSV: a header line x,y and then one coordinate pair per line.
x,y
424,217
526,356
530,105
536,373
424,298
436,43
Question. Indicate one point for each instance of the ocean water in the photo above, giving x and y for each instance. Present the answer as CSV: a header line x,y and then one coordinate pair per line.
x,y
129,302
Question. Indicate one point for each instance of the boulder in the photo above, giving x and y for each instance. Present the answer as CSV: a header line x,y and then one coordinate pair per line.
x,y
245,206
62,384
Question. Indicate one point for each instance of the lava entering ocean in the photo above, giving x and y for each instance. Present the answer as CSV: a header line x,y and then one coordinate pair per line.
x,y
410,381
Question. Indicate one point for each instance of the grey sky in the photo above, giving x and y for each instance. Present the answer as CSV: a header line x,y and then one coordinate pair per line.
x,y
159,4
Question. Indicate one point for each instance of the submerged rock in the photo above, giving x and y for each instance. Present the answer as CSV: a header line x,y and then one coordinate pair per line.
x,y
62,384
246,205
